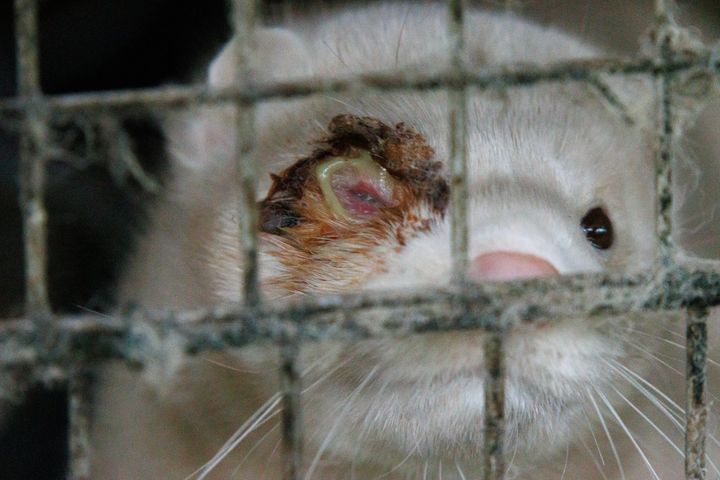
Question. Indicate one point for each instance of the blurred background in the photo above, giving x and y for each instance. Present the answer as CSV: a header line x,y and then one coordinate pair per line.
x,y
96,203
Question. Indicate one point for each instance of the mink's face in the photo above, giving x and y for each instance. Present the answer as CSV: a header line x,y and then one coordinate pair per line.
x,y
554,188
354,197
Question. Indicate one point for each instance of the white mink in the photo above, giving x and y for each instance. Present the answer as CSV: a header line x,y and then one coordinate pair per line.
x,y
539,158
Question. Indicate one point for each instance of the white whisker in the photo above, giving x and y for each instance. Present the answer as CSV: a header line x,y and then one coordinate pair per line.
x,y
592,433
372,407
649,421
460,471
607,433
245,429
567,457
676,418
670,342
235,369
678,408
327,374
259,418
250,452
343,412
648,353
512,458
628,433
593,459
271,456
402,462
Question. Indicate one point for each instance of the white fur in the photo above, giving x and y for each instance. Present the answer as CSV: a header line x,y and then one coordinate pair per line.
x,y
539,158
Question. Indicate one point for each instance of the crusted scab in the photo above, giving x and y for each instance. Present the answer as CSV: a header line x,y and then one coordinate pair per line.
x,y
402,151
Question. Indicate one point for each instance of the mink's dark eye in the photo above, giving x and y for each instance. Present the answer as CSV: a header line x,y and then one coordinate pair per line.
x,y
598,228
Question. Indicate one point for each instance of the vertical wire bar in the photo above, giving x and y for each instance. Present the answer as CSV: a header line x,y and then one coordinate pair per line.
x,y
32,165
494,428
495,382
696,409
458,145
244,16
664,154
78,435
32,191
696,328
292,434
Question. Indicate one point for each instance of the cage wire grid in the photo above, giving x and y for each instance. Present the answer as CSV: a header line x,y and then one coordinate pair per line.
x,y
69,345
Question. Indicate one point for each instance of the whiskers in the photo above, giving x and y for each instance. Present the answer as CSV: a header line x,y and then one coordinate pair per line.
x,y
605,428
266,412
635,403
343,411
628,425
262,415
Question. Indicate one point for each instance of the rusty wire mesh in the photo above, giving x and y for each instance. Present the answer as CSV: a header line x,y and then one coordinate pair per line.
x,y
72,343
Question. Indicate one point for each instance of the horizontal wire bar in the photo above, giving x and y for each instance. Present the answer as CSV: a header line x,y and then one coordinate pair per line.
x,y
501,77
690,262
492,307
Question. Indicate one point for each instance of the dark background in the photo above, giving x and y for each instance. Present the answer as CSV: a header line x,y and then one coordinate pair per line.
x,y
87,45
94,209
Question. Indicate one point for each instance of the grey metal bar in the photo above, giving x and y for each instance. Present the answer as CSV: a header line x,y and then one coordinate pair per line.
x,y
494,428
33,147
27,47
292,437
79,410
612,100
495,77
696,328
495,381
244,18
244,15
457,99
696,264
696,407
665,131
491,307
32,165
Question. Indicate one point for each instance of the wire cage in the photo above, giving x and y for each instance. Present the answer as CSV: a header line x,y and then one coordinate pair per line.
x,y
71,344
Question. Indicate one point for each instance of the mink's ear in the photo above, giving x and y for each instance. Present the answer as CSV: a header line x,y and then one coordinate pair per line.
x,y
278,54
205,135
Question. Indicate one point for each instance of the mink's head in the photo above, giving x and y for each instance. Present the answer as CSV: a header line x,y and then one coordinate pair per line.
x,y
354,197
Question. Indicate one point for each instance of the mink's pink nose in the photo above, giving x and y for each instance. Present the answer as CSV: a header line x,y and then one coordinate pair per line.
x,y
501,266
